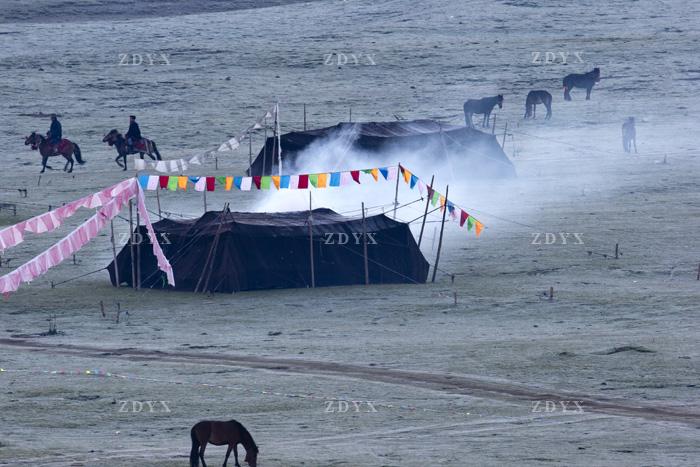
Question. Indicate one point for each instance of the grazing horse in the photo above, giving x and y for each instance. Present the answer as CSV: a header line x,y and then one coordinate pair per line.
x,y
64,148
585,80
481,106
538,97
145,146
218,434
629,135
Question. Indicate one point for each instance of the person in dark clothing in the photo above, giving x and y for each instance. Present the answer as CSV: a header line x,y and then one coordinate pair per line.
x,y
133,134
55,132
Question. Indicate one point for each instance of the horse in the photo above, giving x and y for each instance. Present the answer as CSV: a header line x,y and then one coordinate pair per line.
x,y
144,146
481,106
585,80
629,135
64,148
538,97
218,434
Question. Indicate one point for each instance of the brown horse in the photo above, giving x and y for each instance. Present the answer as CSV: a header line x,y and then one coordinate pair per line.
x,y
65,148
218,434
144,146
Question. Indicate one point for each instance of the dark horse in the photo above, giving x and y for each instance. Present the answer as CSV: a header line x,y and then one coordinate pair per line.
x,y
64,148
585,80
145,146
218,434
538,97
481,106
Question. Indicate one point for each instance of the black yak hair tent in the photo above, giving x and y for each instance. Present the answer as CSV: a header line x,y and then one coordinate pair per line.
x,y
226,251
434,141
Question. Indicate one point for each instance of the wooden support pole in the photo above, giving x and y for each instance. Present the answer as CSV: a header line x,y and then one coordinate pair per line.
x,y
114,252
493,129
442,228
216,163
505,131
304,117
250,152
139,239
364,244
131,243
38,182
617,250
425,214
350,114
311,245
396,193
264,150
204,198
102,309
698,271
160,216
551,293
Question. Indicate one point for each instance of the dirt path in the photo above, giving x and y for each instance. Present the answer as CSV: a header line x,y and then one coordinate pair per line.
x,y
453,384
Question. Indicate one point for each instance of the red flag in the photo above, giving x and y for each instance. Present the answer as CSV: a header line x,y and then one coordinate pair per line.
x,y
463,218
355,175
163,181
211,183
256,180
303,182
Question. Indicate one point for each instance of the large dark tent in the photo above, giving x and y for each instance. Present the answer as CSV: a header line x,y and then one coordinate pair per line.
x,y
228,252
434,141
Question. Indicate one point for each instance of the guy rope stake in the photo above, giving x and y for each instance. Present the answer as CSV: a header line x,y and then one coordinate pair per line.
x,y
442,228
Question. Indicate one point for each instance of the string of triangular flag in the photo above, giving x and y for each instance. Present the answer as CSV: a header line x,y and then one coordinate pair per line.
x,y
184,163
456,213
311,180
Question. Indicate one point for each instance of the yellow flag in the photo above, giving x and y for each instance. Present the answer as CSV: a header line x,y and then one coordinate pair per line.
x,y
322,181
276,181
442,203
375,174
479,226
182,183
229,183
406,175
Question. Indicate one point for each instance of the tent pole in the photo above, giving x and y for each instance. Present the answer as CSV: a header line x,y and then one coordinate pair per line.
x,y
505,130
350,114
493,129
311,245
278,130
131,243
204,197
304,117
138,246
160,216
250,152
396,194
364,244
264,150
114,252
425,214
442,228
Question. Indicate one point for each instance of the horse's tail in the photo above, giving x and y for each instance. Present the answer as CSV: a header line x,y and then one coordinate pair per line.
x,y
194,454
78,154
155,150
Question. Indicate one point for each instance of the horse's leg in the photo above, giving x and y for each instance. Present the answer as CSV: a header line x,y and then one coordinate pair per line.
x,y
124,156
155,150
235,455
534,111
228,453
141,154
201,453
634,140
567,95
588,93
43,163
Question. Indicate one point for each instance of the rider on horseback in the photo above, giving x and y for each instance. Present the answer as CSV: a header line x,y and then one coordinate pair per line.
x,y
133,135
55,133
